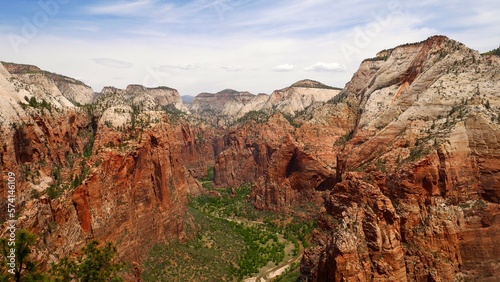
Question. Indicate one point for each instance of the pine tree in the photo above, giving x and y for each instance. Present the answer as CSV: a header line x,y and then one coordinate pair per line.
x,y
96,265
25,270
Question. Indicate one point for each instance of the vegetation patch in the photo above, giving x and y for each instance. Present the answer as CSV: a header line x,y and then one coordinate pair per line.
x,y
346,137
257,116
493,52
291,120
418,152
209,256
231,240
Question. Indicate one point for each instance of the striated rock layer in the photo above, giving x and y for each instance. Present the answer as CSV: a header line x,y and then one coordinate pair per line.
x,y
400,168
79,178
134,196
423,205
229,106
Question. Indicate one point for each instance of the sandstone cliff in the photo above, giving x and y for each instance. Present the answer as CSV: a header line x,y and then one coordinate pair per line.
x,y
81,178
60,90
424,203
227,106
400,167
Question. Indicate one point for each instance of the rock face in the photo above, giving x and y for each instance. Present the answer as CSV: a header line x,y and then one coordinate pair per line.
x,y
42,151
198,149
245,153
80,179
366,244
131,191
61,90
292,179
401,167
230,105
425,200
135,198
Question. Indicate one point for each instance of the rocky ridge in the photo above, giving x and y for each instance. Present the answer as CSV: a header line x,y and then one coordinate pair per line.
x,y
403,161
422,184
400,167
81,178
230,105
121,106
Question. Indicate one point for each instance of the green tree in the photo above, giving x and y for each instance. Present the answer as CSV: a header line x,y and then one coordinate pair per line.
x,y
96,265
25,269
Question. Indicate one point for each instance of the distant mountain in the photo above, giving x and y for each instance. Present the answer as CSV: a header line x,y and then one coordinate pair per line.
x,y
231,104
396,177
187,99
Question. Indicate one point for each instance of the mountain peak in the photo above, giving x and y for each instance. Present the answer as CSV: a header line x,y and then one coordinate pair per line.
x,y
309,83
14,68
229,91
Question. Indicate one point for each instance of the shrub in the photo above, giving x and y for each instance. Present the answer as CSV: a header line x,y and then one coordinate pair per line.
x,y
493,52
346,137
95,264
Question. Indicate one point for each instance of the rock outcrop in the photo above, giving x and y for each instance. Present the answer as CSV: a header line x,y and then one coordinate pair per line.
x,y
292,179
365,244
228,106
400,167
62,91
245,152
424,200
79,178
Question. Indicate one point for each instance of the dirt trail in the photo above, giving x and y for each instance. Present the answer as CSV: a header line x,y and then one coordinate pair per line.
x,y
277,270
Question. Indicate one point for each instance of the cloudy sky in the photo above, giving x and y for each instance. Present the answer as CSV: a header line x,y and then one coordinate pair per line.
x,y
209,45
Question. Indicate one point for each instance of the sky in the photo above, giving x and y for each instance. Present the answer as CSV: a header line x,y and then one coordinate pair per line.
x,y
210,45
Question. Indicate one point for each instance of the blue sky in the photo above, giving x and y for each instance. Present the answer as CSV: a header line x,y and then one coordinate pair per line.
x,y
208,45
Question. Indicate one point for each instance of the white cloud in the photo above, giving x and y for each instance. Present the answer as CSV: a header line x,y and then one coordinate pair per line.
x,y
232,68
121,8
187,66
209,45
112,63
321,66
284,68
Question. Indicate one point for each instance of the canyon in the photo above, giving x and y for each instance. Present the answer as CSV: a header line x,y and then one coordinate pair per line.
x,y
400,169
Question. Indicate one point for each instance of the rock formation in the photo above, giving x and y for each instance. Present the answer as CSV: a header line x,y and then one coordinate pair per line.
x,y
405,160
424,202
229,105
400,167
62,91
80,178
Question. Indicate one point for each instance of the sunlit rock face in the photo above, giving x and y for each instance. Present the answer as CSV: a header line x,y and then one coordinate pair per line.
x,y
417,197
401,166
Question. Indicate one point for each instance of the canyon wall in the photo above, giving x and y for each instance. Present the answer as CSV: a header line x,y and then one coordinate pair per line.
x,y
400,167
80,178
417,197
